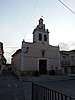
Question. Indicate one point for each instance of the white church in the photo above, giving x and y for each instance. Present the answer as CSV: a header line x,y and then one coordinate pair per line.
x,y
38,56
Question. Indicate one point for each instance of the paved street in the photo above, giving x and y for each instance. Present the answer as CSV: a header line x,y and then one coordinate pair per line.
x,y
59,83
27,90
66,87
11,88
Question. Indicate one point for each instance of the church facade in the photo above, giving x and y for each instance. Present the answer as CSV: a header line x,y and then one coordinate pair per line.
x,y
38,56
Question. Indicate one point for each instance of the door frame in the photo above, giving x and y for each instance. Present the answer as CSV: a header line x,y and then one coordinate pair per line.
x,y
43,59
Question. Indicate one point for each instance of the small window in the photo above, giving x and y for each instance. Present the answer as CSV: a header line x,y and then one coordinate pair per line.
x,y
72,57
40,37
64,57
41,27
43,53
45,37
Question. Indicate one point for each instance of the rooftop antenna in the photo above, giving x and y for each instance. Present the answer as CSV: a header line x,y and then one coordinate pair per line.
x,y
42,17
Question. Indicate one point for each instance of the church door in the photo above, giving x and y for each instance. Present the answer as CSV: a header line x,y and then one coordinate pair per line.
x,y
43,66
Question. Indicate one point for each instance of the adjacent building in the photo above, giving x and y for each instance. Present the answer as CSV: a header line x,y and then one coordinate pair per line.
x,y
68,61
38,56
2,58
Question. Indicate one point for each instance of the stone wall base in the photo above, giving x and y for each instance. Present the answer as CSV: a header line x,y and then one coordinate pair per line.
x,y
35,73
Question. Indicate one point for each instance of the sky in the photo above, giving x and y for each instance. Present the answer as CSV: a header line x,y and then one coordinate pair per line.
x,y
18,19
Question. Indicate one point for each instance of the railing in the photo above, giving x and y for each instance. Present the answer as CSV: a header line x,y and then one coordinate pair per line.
x,y
65,63
42,93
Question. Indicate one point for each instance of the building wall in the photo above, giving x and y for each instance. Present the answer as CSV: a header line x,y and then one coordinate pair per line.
x,y
43,33
72,58
31,57
68,61
2,58
16,61
38,53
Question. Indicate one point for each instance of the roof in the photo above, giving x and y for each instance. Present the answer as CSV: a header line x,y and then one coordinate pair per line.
x,y
19,50
67,52
72,50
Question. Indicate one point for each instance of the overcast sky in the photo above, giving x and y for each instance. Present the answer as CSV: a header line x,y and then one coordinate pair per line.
x,y
18,18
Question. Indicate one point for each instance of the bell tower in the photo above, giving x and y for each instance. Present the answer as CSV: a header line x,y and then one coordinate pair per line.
x,y
40,34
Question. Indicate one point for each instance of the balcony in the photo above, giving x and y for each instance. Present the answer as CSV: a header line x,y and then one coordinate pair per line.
x,y
65,63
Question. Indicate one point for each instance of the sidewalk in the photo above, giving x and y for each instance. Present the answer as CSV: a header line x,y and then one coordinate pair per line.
x,y
59,83
45,78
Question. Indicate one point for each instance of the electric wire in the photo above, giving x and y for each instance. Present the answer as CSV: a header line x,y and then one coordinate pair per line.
x,y
66,6
27,25
26,28
31,16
